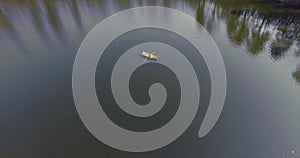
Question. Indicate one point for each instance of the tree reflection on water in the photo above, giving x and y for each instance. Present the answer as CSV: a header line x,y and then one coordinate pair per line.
x,y
258,27
296,74
261,115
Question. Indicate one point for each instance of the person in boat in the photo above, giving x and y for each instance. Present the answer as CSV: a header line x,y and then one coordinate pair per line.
x,y
148,55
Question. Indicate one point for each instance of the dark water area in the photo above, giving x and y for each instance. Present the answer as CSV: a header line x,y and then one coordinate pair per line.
x,y
259,41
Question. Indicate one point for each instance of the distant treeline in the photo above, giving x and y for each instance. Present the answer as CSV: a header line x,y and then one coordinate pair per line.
x,y
289,3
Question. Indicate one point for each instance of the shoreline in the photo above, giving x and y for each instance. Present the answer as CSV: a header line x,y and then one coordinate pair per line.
x,y
295,4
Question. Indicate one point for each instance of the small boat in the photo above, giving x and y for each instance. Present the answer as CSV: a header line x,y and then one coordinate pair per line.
x,y
148,55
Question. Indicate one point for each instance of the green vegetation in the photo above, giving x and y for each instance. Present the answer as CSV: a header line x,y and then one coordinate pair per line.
x,y
279,46
296,75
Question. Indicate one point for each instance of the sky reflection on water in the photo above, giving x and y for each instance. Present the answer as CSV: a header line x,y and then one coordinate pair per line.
x,y
259,43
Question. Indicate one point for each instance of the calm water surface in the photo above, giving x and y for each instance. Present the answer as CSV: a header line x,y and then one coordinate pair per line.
x,y
259,41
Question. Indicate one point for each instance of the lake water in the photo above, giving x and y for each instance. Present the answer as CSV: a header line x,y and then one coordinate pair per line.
x,y
260,44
